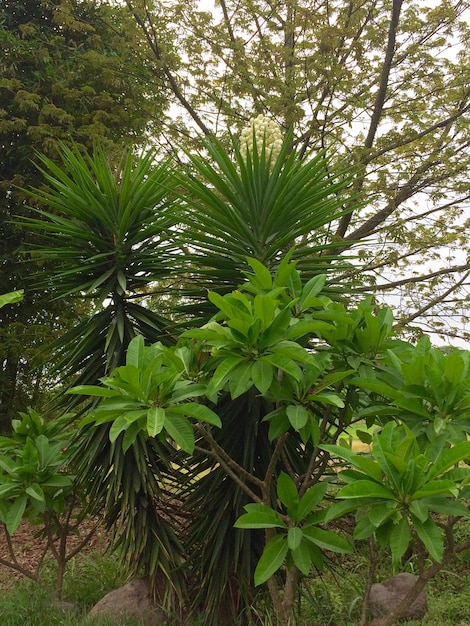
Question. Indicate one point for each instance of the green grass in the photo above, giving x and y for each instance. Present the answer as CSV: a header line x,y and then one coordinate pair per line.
x,y
331,598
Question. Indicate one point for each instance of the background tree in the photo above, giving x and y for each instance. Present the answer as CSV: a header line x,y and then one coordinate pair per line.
x,y
386,82
67,73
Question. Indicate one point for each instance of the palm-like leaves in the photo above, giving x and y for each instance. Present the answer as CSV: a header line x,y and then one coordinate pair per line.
x,y
108,234
258,208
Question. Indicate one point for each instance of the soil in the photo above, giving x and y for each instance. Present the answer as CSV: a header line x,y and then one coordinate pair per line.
x,y
28,548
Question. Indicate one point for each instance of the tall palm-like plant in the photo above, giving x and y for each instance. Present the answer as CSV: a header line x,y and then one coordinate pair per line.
x,y
107,232
256,205
114,233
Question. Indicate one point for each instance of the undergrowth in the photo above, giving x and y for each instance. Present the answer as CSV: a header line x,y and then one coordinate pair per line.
x,y
332,598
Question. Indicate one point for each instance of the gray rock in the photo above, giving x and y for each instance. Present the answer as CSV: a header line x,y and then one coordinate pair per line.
x,y
130,602
385,596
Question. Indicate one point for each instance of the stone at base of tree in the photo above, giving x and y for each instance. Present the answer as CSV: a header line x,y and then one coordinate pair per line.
x,y
385,596
130,602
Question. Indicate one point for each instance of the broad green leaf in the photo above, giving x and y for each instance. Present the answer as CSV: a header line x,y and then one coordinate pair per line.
x,y
366,489
241,380
135,351
155,420
364,529
431,537
446,506
311,289
222,373
400,537
259,516
310,500
362,462
327,540
434,488
93,390
339,509
301,557
331,399
454,367
119,424
35,492
15,514
271,560
180,430
6,489
262,274
283,363
449,458
262,374
11,297
294,537
200,412
287,491
298,416
265,308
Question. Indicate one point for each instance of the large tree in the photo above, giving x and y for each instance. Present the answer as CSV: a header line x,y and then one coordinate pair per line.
x,y
69,72
388,83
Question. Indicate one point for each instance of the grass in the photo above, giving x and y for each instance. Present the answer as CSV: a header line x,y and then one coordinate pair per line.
x,y
331,598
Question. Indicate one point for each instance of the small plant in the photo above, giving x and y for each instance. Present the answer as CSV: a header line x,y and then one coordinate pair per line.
x,y
36,485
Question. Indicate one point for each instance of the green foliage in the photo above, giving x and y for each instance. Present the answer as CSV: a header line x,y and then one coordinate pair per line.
x,y
400,487
34,482
10,298
68,73
102,230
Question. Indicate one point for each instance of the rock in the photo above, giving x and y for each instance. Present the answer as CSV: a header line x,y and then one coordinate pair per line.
x,y
130,602
385,596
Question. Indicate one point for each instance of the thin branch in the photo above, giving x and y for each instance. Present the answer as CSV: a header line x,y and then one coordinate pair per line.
x,y
406,320
414,279
378,104
154,46
226,461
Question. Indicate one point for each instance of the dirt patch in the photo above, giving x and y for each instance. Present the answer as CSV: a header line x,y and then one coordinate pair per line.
x,y
28,548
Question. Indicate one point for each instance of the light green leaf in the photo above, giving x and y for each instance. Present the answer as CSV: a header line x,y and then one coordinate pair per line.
x,y
294,537
259,516
298,416
35,492
262,374
180,431
93,390
15,514
431,537
449,458
135,351
155,420
287,491
119,424
366,489
199,411
271,560
400,537
327,540
310,500
301,557
11,297
262,274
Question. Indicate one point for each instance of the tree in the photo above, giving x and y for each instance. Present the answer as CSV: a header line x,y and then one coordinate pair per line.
x,y
385,83
67,74
128,227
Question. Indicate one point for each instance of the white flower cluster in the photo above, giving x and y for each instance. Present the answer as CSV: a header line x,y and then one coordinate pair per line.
x,y
262,129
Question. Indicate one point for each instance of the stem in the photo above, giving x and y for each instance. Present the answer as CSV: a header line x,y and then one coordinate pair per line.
x,y
370,580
